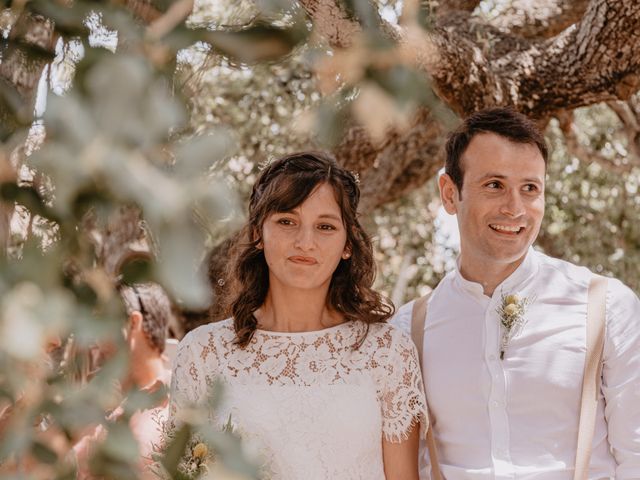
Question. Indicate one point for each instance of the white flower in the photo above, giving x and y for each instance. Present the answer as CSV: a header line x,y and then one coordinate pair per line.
x,y
200,450
511,311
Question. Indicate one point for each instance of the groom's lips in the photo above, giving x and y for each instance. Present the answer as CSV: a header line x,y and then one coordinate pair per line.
x,y
507,229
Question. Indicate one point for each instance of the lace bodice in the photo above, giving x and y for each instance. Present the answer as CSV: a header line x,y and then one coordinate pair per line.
x,y
312,404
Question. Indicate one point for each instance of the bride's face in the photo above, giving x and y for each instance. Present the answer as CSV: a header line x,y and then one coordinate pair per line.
x,y
303,247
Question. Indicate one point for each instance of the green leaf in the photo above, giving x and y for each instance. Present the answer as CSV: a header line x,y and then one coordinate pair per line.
x,y
16,112
142,400
330,121
195,156
181,250
27,196
364,12
43,453
68,17
120,443
257,43
130,103
406,85
175,450
137,270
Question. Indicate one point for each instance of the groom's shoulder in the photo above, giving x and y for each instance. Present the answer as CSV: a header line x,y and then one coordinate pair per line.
x,y
569,271
617,290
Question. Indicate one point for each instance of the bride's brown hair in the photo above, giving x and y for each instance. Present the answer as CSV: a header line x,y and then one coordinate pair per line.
x,y
282,186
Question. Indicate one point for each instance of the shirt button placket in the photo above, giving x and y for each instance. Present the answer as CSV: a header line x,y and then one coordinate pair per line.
x,y
498,419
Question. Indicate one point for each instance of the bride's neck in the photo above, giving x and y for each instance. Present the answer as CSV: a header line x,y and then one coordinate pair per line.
x,y
299,311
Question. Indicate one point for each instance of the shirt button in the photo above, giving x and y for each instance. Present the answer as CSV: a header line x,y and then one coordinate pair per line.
x,y
495,403
492,357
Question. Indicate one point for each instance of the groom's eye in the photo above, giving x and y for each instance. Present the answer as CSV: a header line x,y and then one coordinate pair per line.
x,y
493,185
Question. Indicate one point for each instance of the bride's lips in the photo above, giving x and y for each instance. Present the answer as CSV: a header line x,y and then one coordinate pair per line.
x,y
303,260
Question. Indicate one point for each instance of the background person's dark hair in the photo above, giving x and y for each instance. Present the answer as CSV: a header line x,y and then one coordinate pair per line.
x,y
503,121
153,303
281,187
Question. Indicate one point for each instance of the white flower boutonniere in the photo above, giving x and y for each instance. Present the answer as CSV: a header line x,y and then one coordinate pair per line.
x,y
511,311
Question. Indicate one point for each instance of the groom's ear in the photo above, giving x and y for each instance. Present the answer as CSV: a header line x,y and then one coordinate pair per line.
x,y
448,193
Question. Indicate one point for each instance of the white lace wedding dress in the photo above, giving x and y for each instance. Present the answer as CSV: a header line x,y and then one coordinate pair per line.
x,y
313,406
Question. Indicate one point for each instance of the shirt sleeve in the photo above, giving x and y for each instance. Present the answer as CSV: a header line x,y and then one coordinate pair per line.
x,y
403,400
402,318
621,378
187,384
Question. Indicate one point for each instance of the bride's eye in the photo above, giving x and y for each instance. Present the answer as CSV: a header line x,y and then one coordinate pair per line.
x,y
285,221
326,226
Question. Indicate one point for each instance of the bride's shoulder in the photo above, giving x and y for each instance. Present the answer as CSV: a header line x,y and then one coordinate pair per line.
x,y
214,331
388,336
388,331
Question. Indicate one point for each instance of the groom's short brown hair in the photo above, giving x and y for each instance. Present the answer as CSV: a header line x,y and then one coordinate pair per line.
x,y
503,121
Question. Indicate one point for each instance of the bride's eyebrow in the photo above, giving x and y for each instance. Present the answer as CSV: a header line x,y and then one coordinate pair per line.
x,y
330,216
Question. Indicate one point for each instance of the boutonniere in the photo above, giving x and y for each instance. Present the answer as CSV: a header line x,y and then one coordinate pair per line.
x,y
511,311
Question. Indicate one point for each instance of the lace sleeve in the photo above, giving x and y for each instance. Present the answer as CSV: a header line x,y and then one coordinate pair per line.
x,y
403,398
186,379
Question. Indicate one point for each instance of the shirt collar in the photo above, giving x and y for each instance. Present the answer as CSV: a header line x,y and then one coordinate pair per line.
x,y
526,270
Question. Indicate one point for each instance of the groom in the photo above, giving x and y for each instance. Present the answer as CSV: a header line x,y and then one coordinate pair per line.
x,y
505,402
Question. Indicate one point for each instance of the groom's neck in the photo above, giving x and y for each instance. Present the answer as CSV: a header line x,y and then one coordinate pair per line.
x,y
488,274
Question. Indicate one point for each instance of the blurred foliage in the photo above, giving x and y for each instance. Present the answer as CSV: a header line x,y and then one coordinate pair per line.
x,y
592,213
113,138
175,123
277,108
268,108
197,450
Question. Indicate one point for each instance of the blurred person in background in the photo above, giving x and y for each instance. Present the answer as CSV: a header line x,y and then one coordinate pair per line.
x,y
149,313
17,415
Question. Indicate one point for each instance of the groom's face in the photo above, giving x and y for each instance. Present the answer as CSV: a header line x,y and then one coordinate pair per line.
x,y
501,204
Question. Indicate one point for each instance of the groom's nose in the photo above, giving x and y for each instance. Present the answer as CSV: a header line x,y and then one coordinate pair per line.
x,y
513,204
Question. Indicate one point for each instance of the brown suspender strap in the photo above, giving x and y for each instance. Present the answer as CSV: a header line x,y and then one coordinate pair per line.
x,y
418,318
596,310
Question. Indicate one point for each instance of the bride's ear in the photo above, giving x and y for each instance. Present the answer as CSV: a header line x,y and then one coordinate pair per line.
x,y
255,235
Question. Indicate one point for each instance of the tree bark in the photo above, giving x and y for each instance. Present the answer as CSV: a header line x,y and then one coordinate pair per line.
x,y
457,6
539,19
332,22
6,211
405,161
544,58
477,66
24,54
584,53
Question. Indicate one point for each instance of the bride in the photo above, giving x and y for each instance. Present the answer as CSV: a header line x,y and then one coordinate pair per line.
x,y
312,372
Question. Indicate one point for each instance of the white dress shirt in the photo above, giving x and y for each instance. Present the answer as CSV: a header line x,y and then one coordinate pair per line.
x,y
517,418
